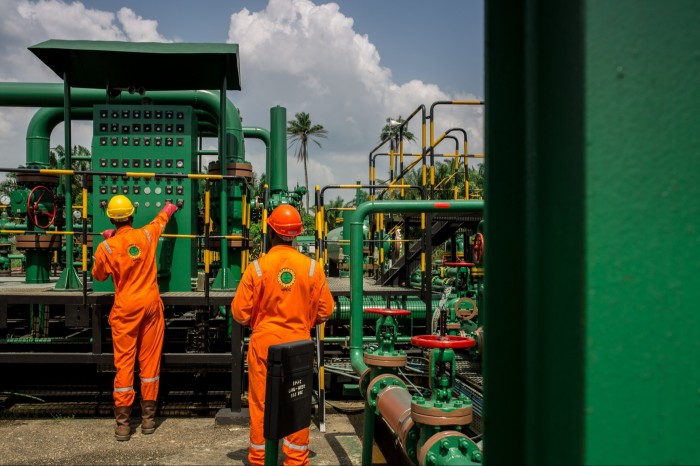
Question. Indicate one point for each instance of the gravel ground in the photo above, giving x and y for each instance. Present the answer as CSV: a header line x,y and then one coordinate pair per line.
x,y
176,441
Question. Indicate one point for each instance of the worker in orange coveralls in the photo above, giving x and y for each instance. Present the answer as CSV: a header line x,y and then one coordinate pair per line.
x,y
129,256
282,295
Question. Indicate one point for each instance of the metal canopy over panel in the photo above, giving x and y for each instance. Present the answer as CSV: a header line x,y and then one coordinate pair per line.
x,y
148,65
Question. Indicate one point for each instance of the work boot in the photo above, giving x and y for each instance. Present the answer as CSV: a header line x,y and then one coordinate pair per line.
x,y
123,430
148,416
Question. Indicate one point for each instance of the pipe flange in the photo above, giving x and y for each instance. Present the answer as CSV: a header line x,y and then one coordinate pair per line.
x,y
452,415
232,169
364,381
385,360
31,179
466,314
215,244
449,445
52,242
378,384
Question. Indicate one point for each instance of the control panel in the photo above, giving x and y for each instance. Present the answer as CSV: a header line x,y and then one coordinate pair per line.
x,y
157,140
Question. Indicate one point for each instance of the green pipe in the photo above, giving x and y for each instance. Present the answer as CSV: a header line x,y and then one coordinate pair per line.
x,y
356,239
368,434
51,95
40,127
277,163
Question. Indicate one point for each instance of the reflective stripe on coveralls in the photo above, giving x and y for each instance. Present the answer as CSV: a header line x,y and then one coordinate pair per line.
x,y
136,317
282,295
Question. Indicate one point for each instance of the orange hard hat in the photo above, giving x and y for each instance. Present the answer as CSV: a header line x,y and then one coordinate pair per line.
x,y
286,221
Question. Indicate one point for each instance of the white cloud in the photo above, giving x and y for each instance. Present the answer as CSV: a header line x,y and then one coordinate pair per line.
x,y
138,29
308,58
294,53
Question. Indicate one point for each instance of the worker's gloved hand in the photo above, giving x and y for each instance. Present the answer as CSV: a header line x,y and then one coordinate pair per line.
x,y
169,209
108,234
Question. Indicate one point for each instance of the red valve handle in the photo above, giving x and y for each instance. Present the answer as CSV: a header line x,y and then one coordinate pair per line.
x,y
478,248
385,311
458,264
443,341
33,209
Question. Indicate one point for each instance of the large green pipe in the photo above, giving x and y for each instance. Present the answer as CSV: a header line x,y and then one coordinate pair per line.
x,y
52,95
277,164
262,134
356,240
40,127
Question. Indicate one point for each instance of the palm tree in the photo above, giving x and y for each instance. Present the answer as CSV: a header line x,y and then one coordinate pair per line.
x,y
301,131
393,131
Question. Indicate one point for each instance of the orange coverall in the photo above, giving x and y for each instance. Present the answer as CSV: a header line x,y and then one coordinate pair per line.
x,y
137,314
282,295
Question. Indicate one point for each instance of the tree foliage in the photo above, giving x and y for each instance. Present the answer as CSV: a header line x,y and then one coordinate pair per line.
x,y
299,132
56,160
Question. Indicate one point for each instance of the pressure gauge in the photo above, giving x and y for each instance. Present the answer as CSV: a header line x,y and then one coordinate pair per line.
x,y
5,199
77,215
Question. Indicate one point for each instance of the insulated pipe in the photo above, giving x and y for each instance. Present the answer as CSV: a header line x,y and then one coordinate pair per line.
x,y
394,404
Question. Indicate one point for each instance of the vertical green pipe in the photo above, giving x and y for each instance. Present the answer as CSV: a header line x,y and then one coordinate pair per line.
x,y
368,434
277,165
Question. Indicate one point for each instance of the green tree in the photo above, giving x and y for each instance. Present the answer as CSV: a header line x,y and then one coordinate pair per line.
x,y
395,134
56,160
332,212
299,132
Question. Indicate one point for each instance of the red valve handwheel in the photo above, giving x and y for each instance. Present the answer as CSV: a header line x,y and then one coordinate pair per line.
x,y
478,248
385,311
458,264
35,197
443,341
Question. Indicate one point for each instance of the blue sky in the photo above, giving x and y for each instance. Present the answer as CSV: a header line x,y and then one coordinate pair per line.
x,y
349,63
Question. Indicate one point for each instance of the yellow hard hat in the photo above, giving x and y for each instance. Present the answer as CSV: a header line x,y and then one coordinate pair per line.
x,y
120,208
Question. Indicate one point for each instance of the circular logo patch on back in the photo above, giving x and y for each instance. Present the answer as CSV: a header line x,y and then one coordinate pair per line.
x,y
286,278
134,251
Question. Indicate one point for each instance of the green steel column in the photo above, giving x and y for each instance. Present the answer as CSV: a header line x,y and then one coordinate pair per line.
x,y
642,391
533,360
592,230
69,279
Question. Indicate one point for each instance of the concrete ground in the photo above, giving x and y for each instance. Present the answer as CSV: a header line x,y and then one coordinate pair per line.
x,y
176,441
